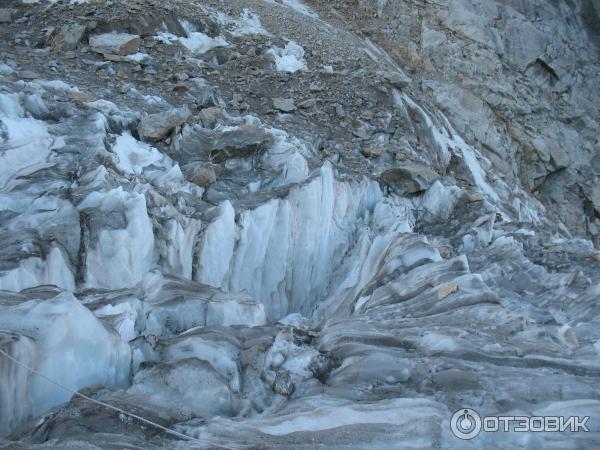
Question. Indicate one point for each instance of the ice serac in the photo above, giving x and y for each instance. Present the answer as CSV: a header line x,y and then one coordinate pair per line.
x,y
60,338
284,251
120,250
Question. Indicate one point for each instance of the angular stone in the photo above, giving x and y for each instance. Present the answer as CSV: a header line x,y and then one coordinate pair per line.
x,y
204,175
210,116
284,104
446,289
201,144
372,152
283,384
7,15
409,178
68,37
115,43
155,127
397,79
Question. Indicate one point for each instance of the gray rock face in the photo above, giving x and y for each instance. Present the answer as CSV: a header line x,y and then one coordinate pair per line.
x,y
516,80
155,127
115,43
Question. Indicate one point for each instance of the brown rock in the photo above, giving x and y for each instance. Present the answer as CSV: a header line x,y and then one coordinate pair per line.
x,y
446,289
372,152
204,175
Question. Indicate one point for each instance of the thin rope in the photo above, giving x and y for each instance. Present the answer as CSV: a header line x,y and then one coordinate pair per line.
x,y
106,405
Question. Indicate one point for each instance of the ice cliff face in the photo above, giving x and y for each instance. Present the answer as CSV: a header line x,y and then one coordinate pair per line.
x,y
285,225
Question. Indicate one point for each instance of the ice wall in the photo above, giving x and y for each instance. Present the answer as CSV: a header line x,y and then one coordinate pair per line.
x,y
283,252
73,347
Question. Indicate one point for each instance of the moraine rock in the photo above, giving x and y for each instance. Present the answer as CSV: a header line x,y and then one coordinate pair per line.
x,y
68,37
115,43
200,144
155,127
397,79
409,179
204,175
284,104
7,15
210,116
283,384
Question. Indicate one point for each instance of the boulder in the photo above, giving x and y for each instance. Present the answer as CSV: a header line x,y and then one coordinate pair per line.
x,y
397,79
204,175
283,384
115,43
201,144
7,15
155,127
409,178
284,104
68,37
210,116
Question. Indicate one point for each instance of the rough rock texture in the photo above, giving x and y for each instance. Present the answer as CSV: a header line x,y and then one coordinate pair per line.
x,y
115,43
410,233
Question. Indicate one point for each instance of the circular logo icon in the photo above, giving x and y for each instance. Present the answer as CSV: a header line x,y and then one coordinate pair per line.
x,y
465,424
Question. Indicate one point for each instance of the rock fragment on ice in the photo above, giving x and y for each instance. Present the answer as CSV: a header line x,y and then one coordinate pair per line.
x,y
200,144
155,127
409,178
283,384
446,289
397,79
204,175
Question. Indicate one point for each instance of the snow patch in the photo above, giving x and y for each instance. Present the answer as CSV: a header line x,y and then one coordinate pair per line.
x,y
134,155
196,42
288,59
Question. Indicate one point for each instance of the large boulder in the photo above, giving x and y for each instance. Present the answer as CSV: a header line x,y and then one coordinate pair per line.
x,y
155,127
409,178
115,43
